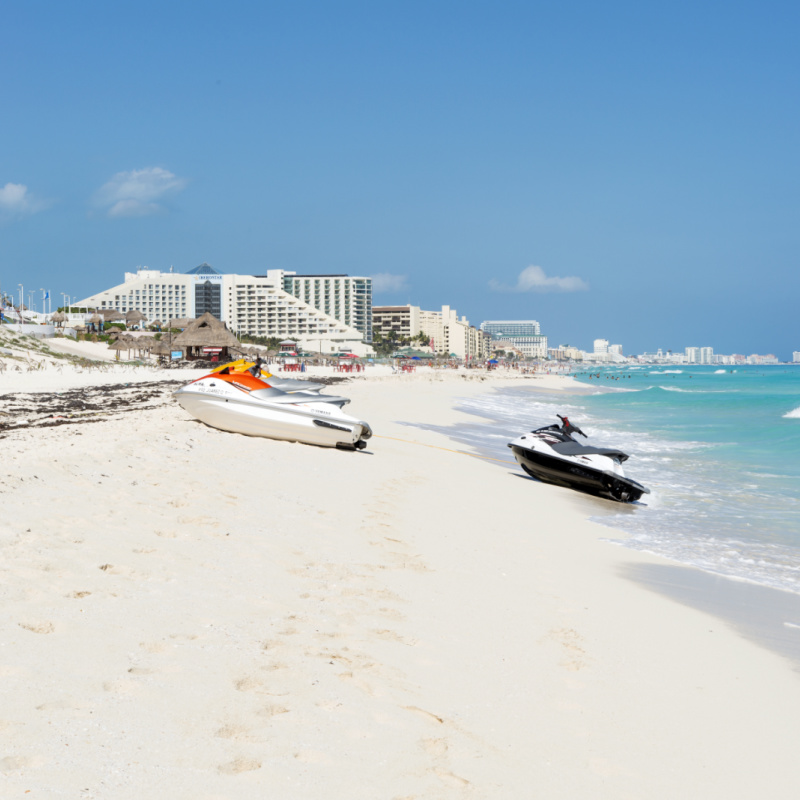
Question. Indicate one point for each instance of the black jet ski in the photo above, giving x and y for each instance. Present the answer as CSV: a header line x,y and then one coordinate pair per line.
x,y
551,454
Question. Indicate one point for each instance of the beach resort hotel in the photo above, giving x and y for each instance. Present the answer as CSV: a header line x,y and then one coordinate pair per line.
x,y
524,335
447,333
322,313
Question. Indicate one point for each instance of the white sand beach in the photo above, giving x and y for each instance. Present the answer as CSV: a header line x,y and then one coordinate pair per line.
x,y
188,613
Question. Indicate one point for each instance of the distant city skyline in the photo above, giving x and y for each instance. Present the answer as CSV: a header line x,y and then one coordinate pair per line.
x,y
623,168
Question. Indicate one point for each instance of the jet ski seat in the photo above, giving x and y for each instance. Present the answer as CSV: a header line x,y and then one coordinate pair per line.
x,y
577,449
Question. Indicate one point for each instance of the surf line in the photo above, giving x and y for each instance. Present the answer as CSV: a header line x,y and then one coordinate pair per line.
x,y
446,449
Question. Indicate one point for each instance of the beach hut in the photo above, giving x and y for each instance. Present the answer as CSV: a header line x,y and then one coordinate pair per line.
x,y
134,318
95,323
112,315
207,337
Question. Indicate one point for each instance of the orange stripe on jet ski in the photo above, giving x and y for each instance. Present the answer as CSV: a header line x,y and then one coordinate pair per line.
x,y
241,380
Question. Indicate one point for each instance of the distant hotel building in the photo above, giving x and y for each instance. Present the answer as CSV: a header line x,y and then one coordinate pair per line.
x,y
511,327
523,334
699,355
348,299
450,334
257,305
565,352
796,357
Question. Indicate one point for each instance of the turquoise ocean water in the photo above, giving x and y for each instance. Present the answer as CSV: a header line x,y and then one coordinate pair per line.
x,y
719,448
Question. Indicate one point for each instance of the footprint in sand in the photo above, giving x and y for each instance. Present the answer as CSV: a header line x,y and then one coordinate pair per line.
x,y
449,779
272,711
391,636
248,684
120,687
233,731
435,747
240,765
38,627
425,714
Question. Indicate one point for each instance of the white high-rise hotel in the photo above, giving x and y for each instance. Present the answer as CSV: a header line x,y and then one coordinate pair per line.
x,y
699,355
322,313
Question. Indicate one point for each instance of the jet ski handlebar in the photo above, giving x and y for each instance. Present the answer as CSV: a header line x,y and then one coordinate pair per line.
x,y
568,428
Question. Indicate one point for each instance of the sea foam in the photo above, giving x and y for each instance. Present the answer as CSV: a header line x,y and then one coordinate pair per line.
x,y
792,414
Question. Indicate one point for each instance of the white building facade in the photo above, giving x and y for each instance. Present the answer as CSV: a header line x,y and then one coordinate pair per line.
x,y
344,297
524,335
511,327
248,304
448,333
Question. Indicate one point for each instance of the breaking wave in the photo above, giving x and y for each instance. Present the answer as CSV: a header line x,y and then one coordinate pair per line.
x,y
792,414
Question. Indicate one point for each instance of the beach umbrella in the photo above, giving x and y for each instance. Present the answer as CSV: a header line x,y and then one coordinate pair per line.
x,y
118,345
492,361
161,348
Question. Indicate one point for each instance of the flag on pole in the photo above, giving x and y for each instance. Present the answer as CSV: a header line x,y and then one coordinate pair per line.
x,y
47,296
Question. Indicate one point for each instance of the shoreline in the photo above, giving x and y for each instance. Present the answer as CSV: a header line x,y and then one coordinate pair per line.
x,y
766,615
188,612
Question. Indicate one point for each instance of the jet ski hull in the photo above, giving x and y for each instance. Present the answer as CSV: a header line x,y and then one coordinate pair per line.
x,y
564,472
297,417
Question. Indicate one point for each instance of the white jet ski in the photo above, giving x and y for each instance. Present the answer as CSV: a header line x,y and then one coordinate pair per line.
x,y
237,397
552,455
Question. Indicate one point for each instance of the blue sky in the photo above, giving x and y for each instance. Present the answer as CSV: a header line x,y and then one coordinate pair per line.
x,y
613,170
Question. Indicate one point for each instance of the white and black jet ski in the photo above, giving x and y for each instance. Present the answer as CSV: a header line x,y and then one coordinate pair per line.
x,y
552,455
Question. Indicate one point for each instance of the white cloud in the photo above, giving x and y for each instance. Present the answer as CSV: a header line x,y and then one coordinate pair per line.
x,y
15,199
534,279
134,193
386,282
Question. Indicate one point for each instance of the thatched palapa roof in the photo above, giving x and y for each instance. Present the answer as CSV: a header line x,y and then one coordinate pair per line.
x,y
112,315
164,348
183,323
134,316
207,331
